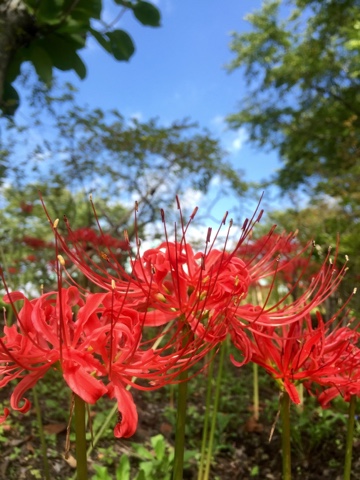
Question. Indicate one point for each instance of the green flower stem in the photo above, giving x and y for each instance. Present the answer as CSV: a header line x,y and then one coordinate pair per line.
x,y
81,461
41,434
256,390
349,437
180,428
100,432
206,418
214,413
286,444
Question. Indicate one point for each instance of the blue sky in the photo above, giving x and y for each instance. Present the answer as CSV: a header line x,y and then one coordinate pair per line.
x,y
178,71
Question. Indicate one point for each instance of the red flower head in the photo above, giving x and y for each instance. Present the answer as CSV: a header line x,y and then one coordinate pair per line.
x,y
300,352
90,239
95,341
36,243
44,336
289,308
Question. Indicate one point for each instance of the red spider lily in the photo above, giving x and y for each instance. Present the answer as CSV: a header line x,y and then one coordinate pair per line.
x,y
95,341
285,249
46,336
89,238
36,243
13,270
26,208
109,270
286,310
345,381
189,284
300,352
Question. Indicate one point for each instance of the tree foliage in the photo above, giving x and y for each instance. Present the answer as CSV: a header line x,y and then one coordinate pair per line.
x,y
67,151
116,158
50,34
301,62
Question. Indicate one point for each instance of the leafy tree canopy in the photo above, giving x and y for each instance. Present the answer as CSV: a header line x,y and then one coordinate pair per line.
x,y
303,96
49,34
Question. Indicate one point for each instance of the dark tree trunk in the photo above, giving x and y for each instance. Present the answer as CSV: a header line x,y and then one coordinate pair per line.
x,y
16,30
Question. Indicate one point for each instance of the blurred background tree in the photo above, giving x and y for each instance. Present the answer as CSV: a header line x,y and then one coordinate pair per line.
x,y
301,63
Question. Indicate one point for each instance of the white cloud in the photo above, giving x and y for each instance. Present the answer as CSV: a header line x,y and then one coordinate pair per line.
x,y
136,116
232,140
218,121
238,140
190,199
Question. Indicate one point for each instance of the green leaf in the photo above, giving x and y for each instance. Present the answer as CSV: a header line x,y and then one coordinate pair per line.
x,y
10,100
74,27
86,9
142,451
147,468
42,63
14,67
30,5
61,50
78,39
158,444
140,476
104,42
147,14
50,13
122,46
123,470
79,67
101,473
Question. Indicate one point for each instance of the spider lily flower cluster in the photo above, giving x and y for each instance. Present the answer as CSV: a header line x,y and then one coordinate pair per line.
x,y
156,320
303,353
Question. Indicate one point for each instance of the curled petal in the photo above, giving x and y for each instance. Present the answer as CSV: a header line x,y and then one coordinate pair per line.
x,y
4,417
26,383
242,343
128,416
14,297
